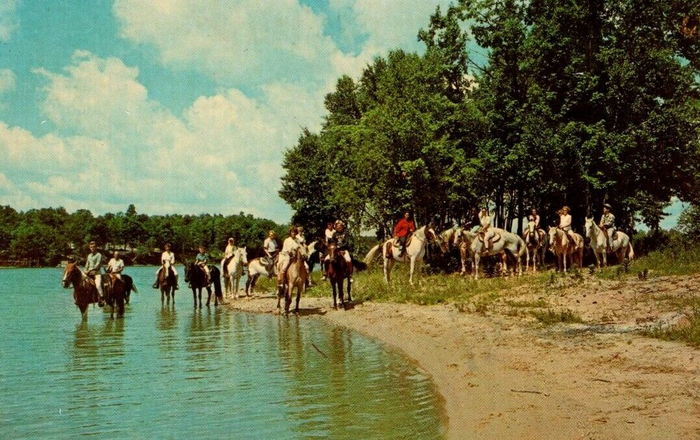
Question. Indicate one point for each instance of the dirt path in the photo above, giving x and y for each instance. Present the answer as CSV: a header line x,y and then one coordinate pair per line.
x,y
504,375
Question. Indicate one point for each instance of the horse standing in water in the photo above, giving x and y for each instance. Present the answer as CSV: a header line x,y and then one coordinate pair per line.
x,y
620,245
504,242
115,294
565,247
338,270
166,283
414,251
234,271
536,246
296,279
84,290
195,275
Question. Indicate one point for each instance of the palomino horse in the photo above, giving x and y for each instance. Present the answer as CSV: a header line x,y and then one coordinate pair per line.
x,y
536,246
621,245
234,270
297,275
414,253
502,241
564,245
84,290
257,267
195,275
338,270
166,283
463,240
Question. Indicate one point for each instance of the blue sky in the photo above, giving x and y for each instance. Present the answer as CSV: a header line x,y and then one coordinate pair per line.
x,y
176,105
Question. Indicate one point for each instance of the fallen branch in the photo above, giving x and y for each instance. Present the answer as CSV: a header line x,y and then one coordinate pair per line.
x,y
530,392
319,350
602,380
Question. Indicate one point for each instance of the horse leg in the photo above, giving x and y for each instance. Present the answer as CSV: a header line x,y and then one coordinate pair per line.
x,y
387,269
333,288
475,265
349,290
413,266
340,293
299,289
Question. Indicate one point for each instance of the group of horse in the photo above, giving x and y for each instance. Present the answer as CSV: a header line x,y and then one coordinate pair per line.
x,y
568,247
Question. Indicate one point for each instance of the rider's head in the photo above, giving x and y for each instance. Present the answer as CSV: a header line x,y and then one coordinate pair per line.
x,y
329,225
167,246
293,231
230,240
300,229
339,225
92,245
407,215
116,254
271,234
565,210
607,208
534,211
202,248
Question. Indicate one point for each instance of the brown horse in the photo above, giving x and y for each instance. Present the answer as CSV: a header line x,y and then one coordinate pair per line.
x,y
337,270
84,290
115,294
566,246
166,283
296,279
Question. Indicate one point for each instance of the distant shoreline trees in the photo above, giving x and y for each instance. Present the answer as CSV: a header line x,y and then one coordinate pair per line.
x,y
40,237
579,103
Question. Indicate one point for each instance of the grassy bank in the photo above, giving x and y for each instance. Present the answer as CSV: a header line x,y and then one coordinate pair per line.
x,y
675,259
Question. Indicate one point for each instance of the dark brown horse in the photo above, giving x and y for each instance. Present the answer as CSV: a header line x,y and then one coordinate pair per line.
x,y
84,290
338,270
194,274
115,294
166,284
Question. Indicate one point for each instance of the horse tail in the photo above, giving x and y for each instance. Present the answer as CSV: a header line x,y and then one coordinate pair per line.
x,y
359,265
371,254
630,251
522,247
130,283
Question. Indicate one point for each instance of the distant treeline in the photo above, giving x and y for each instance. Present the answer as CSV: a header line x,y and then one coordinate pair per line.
x,y
578,103
46,236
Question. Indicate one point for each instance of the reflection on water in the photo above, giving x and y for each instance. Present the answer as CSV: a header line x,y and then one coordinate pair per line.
x,y
163,372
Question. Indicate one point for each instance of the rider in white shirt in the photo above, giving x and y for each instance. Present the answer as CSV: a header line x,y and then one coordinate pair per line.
x,y
270,245
116,265
329,232
289,248
565,220
167,257
228,254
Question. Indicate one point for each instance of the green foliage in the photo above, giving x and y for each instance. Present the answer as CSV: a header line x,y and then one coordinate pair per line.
x,y
46,236
579,103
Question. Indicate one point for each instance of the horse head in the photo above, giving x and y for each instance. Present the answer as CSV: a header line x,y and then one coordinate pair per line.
x,y
242,254
71,275
589,226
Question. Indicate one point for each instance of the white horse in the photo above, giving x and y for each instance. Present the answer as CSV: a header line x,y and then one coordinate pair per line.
x,y
234,270
535,245
257,267
501,242
414,252
566,246
621,245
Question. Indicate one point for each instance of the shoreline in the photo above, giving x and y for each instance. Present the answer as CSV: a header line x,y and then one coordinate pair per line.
x,y
508,377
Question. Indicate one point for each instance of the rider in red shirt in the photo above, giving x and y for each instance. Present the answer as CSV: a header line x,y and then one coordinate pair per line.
x,y
403,229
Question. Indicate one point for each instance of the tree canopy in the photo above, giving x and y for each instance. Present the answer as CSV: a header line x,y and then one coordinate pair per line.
x,y
578,103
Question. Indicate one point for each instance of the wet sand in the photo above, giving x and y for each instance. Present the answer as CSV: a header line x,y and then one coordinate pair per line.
x,y
502,374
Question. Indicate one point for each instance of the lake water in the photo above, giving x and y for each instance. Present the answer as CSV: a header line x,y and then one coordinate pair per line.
x,y
175,372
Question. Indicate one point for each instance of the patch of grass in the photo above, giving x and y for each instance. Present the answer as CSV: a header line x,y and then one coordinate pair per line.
x,y
549,317
540,303
689,334
673,260
429,289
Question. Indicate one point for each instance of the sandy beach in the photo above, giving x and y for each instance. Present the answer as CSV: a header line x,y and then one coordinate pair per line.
x,y
503,374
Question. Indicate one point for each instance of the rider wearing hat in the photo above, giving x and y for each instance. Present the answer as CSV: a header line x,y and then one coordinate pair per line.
x,y
607,224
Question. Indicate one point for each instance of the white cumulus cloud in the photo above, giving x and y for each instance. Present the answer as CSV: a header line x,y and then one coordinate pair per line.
x,y
8,19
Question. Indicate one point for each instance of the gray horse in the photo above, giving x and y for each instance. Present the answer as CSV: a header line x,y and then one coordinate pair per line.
x,y
501,241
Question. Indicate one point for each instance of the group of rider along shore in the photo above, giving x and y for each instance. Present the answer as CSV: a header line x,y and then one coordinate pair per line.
x,y
335,232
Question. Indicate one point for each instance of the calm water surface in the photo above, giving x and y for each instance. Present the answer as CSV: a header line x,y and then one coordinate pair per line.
x,y
175,372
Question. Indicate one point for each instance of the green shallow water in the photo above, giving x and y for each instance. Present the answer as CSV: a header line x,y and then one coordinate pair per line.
x,y
175,372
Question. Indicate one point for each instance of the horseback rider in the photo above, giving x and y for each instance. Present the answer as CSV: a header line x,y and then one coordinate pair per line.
x,y
228,253
328,233
201,260
607,224
116,265
93,269
289,249
565,221
167,257
270,247
534,217
341,238
484,226
403,230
